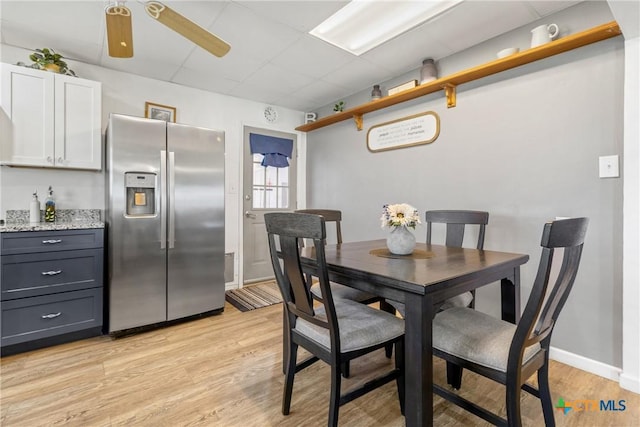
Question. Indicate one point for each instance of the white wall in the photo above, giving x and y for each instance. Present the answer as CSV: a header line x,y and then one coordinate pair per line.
x,y
126,93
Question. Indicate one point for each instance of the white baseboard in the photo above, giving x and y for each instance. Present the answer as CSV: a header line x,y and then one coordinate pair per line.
x,y
630,383
589,365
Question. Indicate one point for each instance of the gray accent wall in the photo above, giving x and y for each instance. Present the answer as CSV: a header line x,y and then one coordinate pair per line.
x,y
523,145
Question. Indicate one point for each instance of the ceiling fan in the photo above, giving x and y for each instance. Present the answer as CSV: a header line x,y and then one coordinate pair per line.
x,y
120,34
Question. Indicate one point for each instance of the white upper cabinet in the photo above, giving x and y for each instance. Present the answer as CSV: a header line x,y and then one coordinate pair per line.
x,y
50,120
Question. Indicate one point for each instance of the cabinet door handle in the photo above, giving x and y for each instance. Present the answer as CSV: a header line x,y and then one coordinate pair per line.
x,y
52,241
51,316
51,273
60,160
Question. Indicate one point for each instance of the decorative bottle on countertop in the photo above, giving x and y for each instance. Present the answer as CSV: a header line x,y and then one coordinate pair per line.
x,y
34,209
50,207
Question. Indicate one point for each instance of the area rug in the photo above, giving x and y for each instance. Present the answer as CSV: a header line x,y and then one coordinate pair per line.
x,y
250,297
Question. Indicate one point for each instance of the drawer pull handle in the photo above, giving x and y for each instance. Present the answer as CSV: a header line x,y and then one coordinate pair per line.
x,y
51,273
52,241
52,315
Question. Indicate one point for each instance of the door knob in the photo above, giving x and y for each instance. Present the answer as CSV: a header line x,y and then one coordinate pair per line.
x,y
249,215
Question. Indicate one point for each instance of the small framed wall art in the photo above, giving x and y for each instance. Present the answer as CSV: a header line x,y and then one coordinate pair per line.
x,y
159,112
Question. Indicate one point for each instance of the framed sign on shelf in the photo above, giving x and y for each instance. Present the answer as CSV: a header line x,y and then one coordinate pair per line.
x,y
417,129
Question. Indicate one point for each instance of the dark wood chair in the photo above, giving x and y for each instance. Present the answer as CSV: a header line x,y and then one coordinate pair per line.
x,y
338,290
507,353
335,331
456,221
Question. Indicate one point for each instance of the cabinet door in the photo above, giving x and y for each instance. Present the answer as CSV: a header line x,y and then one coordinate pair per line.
x,y
27,121
78,130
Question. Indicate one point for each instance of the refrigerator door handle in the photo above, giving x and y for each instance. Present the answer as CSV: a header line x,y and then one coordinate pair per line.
x,y
172,200
163,199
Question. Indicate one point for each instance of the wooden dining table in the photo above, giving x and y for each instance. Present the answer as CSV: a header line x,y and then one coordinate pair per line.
x,y
422,281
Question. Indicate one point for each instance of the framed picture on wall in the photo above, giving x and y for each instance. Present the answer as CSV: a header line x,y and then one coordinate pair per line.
x,y
159,112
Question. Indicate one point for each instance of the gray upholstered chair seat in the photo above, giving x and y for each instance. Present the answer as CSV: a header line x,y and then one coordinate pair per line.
x,y
476,337
462,300
360,326
343,292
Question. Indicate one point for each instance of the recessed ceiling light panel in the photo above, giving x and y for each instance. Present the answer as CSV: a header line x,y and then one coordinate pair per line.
x,y
364,24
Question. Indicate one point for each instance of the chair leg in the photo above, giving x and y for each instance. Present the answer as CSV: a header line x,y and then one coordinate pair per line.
x,y
385,306
472,304
454,375
545,395
285,341
400,366
290,374
334,404
346,369
513,392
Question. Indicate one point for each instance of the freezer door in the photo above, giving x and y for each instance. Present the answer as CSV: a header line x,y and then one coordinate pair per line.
x,y
196,220
136,258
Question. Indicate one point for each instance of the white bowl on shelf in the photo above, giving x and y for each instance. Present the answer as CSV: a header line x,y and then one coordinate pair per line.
x,y
508,51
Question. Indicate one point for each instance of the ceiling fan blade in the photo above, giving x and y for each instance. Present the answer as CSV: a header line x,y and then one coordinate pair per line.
x,y
119,33
186,28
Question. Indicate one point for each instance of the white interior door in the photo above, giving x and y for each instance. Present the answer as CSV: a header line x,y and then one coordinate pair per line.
x,y
265,189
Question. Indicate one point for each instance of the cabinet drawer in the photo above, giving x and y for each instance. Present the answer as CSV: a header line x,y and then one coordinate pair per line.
x,y
45,273
40,317
24,242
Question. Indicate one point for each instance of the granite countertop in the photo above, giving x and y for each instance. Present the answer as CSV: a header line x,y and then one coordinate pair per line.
x,y
67,219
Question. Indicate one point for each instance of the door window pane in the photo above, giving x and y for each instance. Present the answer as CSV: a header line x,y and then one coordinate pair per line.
x,y
271,199
258,197
270,186
258,174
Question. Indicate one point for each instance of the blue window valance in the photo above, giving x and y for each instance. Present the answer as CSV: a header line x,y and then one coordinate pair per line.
x,y
275,150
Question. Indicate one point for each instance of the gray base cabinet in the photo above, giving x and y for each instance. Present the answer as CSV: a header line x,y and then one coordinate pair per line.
x,y
51,285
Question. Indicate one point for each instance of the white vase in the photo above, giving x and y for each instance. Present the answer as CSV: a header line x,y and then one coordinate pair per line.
x,y
401,241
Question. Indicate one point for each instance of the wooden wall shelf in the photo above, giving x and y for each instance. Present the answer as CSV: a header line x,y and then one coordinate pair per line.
x,y
450,82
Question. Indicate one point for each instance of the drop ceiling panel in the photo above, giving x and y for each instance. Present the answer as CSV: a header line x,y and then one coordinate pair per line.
x,y
300,15
312,57
274,76
481,21
234,65
259,38
544,8
202,79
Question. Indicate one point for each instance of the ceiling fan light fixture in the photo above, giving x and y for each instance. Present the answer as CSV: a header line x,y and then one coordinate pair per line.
x,y
119,31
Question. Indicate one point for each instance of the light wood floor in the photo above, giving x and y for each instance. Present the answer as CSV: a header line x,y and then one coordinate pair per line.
x,y
225,370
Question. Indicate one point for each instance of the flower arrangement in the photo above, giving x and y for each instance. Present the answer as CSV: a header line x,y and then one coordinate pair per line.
x,y
400,215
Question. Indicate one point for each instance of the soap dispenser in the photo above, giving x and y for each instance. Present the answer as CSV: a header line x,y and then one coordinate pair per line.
x,y
50,207
34,209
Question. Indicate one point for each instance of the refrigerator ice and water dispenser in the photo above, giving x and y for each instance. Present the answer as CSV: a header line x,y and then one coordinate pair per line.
x,y
141,197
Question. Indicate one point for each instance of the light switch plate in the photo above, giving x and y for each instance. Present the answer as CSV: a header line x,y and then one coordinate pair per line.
x,y
609,167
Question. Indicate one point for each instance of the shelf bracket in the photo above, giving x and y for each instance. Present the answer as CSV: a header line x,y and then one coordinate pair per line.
x,y
450,93
358,119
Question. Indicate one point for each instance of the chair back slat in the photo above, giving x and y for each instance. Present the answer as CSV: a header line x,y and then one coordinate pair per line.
x,y
455,221
569,235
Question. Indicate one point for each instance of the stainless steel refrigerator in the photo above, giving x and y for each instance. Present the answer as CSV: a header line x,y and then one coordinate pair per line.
x,y
165,221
